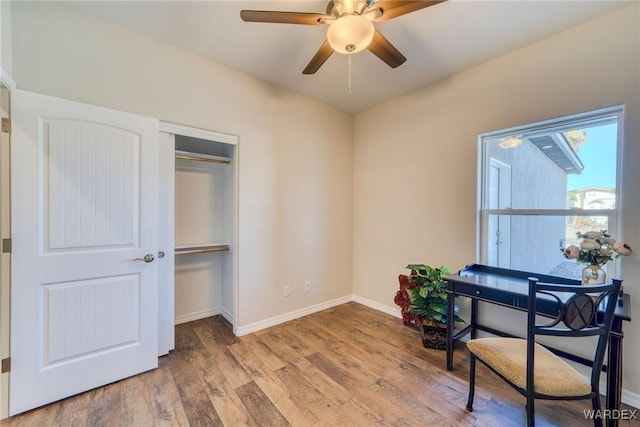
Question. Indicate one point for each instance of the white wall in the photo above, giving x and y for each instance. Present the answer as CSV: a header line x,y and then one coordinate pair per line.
x,y
295,154
415,170
6,59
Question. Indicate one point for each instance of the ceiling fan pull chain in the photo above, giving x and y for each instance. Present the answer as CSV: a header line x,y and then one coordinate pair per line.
x,y
349,86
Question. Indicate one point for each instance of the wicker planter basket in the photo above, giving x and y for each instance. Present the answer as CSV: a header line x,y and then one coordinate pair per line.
x,y
434,337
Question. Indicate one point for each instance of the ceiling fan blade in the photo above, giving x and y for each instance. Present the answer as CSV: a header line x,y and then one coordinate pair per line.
x,y
320,58
393,8
282,17
383,49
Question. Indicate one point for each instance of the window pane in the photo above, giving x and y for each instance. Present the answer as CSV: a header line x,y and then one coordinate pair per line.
x,y
554,168
595,186
536,242
556,165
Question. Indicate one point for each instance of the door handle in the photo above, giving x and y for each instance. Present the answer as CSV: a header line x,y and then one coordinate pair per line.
x,y
147,258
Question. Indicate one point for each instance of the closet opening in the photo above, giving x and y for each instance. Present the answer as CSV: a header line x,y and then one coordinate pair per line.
x,y
202,199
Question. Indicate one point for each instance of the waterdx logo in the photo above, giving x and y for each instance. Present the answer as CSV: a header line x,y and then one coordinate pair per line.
x,y
611,414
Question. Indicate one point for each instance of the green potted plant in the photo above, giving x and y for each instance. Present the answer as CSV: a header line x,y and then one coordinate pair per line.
x,y
428,301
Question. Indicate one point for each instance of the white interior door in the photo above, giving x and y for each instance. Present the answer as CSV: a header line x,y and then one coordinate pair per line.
x,y
84,207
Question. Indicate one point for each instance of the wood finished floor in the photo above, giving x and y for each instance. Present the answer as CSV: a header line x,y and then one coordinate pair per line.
x,y
345,366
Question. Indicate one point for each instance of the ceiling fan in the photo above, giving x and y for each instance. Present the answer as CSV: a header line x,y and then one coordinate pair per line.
x,y
350,29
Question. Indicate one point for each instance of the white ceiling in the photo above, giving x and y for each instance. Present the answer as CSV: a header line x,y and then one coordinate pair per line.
x,y
438,41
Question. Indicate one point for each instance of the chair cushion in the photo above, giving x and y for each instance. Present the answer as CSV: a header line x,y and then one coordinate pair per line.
x,y
552,375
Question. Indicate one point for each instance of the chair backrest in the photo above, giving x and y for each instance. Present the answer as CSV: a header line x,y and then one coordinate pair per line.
x,y
581,311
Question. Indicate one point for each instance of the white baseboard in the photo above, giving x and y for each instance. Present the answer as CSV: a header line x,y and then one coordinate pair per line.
x,y
392,311
256,326
227,315
630,398
189,317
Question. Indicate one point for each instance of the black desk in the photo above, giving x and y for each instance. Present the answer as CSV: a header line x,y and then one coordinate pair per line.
x,y
509,288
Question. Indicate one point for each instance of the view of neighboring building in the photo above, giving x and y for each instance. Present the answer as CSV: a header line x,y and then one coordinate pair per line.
x,y
592,198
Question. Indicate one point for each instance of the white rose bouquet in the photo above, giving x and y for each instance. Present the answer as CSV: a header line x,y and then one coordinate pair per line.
x,y
596,248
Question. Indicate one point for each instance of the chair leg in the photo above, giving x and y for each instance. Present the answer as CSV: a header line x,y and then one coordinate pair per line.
x,y
595,401
531,415
472,381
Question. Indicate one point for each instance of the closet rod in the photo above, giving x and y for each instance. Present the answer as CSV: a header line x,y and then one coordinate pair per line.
x,y
186,155
201,249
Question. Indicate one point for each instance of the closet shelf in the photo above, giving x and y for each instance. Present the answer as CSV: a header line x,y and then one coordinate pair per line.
x,y
187,155
199,249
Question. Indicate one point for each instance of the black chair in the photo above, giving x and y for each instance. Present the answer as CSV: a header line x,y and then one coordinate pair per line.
x,y
535,371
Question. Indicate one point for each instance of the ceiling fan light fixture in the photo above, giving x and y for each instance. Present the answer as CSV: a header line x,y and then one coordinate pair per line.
x,y
350,34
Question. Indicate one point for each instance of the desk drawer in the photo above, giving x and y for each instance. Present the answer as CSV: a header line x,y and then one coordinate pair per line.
x,y
497,296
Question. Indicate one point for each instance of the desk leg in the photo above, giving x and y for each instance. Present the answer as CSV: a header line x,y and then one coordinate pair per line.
x,y
451,315
614,371
474,318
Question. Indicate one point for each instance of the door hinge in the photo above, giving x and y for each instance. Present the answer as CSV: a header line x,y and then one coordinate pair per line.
x,y
6,246
6,125
6,365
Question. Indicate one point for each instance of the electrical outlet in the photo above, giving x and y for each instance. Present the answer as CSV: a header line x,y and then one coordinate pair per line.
x,y
307,286
287,290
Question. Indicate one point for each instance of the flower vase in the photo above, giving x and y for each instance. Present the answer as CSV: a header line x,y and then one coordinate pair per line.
x,y
593,275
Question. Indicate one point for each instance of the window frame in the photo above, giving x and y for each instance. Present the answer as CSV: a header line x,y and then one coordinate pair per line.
x,y
559,124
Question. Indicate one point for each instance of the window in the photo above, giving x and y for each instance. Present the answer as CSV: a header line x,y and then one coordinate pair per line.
x,y
540,184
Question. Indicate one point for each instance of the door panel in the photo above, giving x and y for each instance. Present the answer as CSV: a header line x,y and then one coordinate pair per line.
x,y
91,176
85,198
86,316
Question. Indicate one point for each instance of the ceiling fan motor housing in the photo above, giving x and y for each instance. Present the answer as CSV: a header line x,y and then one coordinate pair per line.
x,y
341,7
